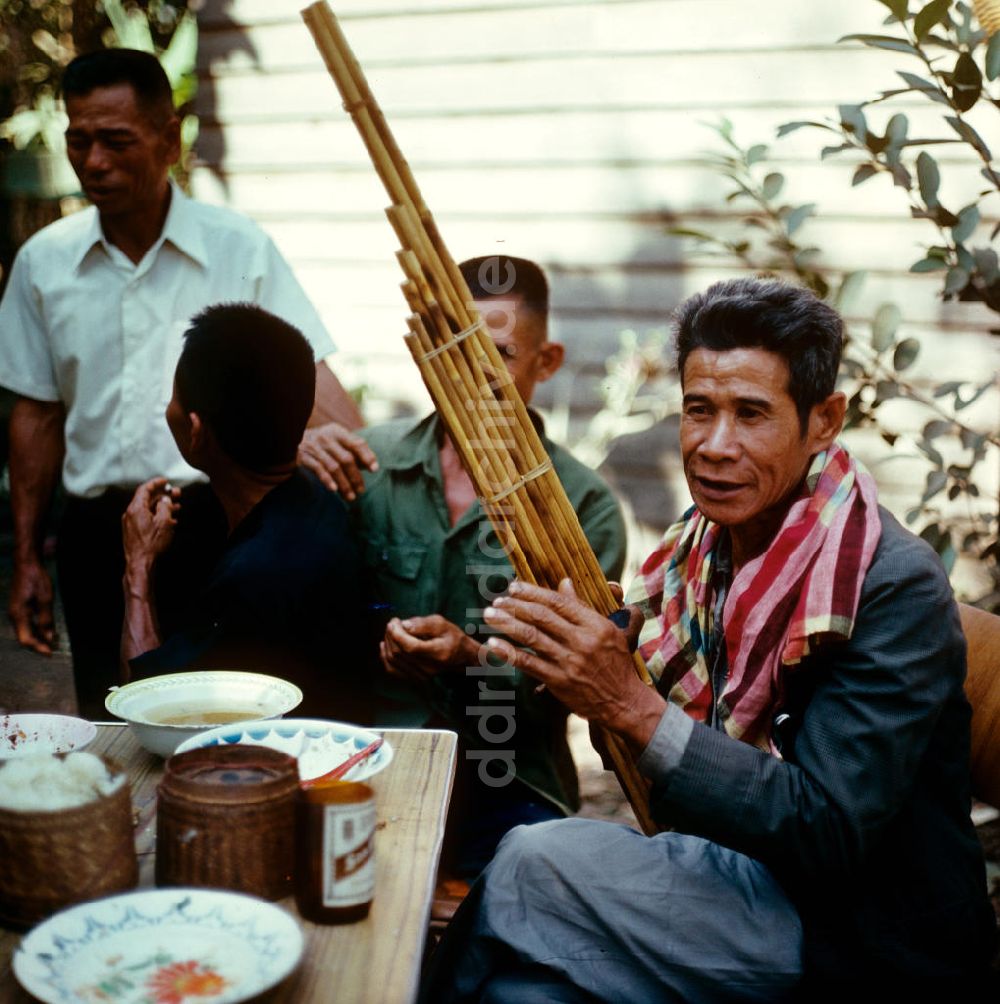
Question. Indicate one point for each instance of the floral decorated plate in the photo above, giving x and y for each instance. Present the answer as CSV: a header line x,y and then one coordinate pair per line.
x,y
318,744
30,734
160,946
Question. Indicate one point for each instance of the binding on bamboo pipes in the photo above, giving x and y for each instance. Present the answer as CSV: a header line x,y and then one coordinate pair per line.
x,y
471,388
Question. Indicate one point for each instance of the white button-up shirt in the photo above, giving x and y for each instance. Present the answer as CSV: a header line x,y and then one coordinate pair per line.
x,y
82,324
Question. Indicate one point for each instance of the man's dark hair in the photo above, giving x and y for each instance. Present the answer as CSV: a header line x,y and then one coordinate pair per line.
x,y
498,275
252,378
108,67
751,313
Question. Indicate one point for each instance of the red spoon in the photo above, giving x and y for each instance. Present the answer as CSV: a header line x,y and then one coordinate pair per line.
x,y
342,768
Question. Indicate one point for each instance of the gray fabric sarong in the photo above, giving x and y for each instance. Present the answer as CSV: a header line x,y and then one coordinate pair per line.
x,y
582,911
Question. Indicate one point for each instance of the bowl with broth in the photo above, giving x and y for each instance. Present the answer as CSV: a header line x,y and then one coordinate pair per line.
x,y
163,711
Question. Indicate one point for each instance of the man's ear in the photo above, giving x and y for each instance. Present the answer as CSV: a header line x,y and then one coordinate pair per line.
x,y
198,431
172,139
826,420
550,359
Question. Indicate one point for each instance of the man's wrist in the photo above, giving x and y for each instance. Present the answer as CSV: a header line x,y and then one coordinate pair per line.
x,y
470,651
136,579
26,552
643,719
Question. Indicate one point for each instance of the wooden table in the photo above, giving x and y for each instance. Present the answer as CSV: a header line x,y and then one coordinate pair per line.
x,y
374,961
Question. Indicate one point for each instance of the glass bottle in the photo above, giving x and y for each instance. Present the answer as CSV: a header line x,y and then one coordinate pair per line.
x,y
335,852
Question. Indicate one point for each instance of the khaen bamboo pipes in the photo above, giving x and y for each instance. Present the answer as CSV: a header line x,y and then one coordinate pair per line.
x,y
472,389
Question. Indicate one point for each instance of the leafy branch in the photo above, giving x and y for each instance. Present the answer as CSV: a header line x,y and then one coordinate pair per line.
x,y
938,31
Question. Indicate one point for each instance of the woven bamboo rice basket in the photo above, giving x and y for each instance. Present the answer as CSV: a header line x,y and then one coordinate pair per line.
x,y
50,860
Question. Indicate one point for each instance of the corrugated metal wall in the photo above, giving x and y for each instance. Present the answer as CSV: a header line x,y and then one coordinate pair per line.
x,y
569,132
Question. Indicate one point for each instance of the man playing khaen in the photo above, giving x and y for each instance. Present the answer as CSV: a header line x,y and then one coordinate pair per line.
x,y
90,329
437,563
287,594
808,737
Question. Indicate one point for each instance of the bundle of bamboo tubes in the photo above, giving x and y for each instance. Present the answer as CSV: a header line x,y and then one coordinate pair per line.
x,y
472,389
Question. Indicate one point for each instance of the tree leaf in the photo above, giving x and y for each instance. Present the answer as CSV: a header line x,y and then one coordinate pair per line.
x,y
901,177
852,120
862,174
944,389
772,185
805,258
946,552
968,220
966,82
798,216
884,325
992,60
883,42
787,127
896,129
828,151
885,390
963,28
969,135
955,281
928,177
898,8
936,480
944,43
928,265
688,232
849,289
972,440
931,454
757,152
905,354
987,263
852,368
917,83
962,403
929,16
937,427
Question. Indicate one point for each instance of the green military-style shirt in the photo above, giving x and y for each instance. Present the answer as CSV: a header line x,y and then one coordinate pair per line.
x,y
422,565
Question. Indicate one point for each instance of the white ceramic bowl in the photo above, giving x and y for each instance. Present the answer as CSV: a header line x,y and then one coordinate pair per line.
x,y
163,711
318,745
28,734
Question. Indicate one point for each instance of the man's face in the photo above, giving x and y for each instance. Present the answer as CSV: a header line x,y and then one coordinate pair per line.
x,y
519,335
742,445
120,156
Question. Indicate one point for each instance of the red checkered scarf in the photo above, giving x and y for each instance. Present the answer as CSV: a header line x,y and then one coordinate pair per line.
x,y
803,590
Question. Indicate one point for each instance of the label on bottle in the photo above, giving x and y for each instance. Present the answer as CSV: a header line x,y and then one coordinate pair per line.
x,y
348,853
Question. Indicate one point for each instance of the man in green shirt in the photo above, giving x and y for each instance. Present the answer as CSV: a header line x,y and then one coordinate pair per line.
x,y
437,564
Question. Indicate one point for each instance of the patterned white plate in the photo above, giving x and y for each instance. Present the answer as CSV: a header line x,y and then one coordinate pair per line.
x,y
317,744
160,946
30,734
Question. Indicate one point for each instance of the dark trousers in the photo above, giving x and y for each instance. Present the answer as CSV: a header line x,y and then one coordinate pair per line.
x,y
90,563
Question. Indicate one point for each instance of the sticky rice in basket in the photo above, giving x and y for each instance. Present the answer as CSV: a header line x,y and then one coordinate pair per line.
x,y
65,834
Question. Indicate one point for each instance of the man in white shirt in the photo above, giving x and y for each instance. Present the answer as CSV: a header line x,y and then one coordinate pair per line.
x,y
91,327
